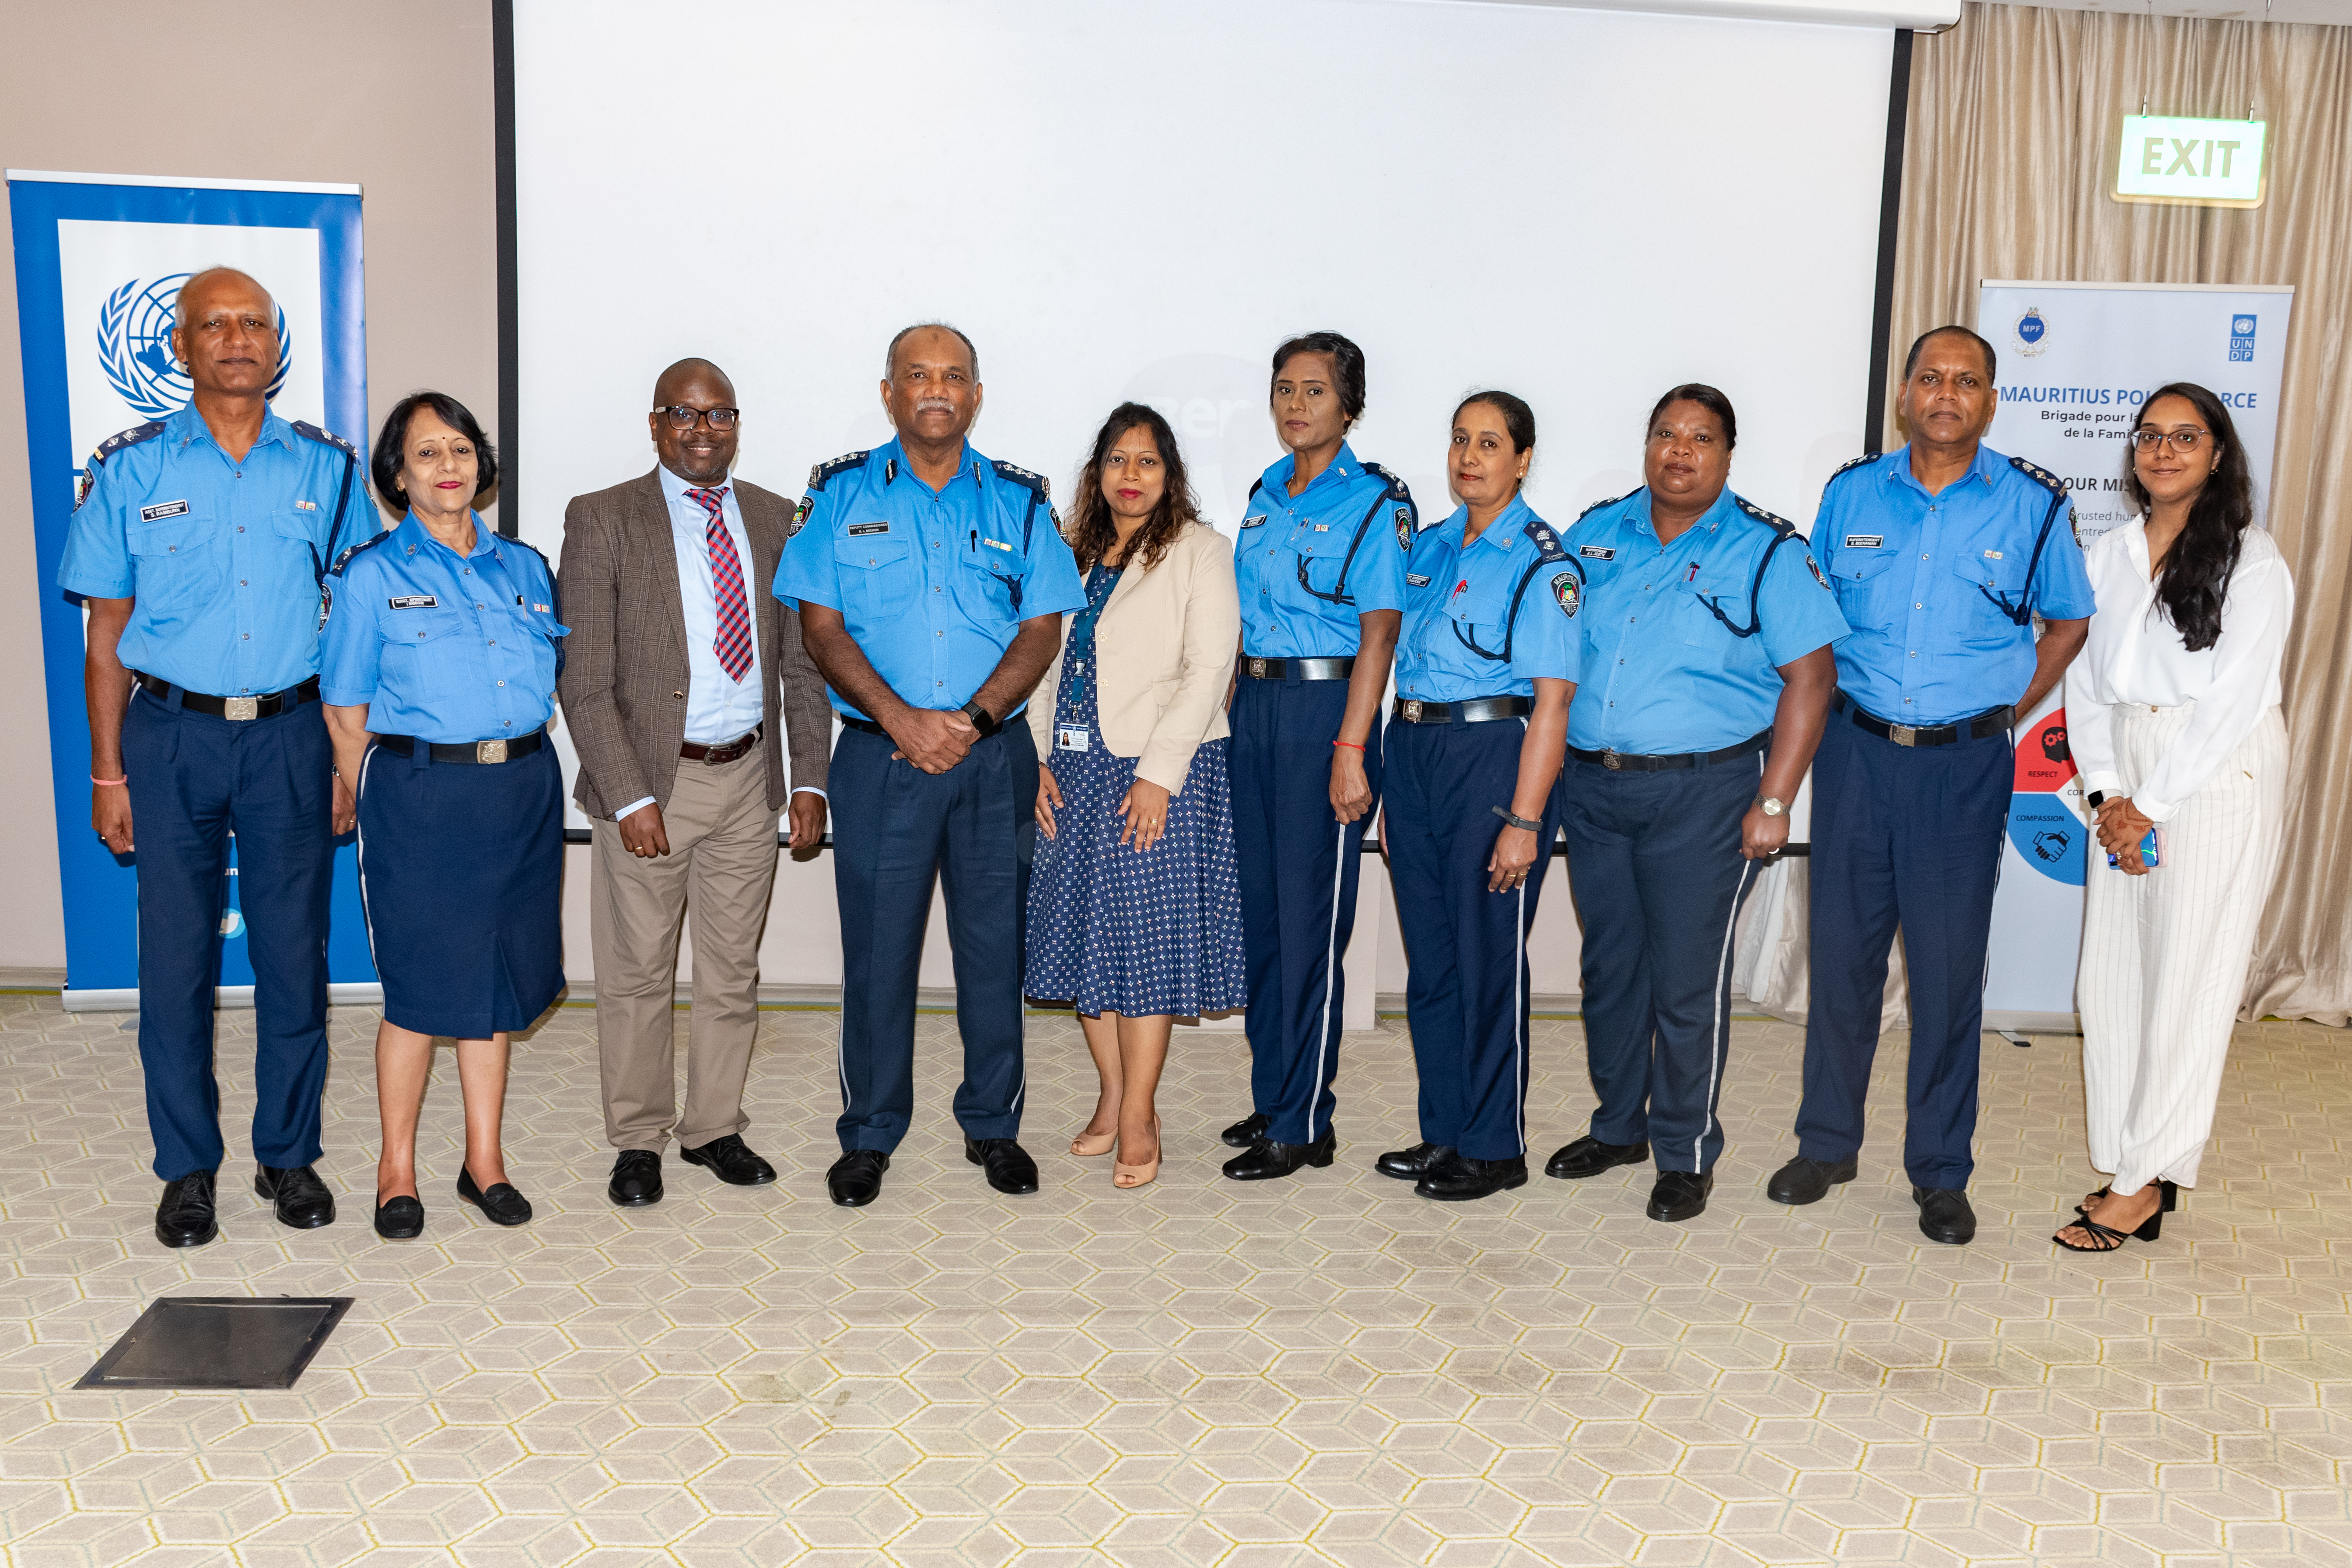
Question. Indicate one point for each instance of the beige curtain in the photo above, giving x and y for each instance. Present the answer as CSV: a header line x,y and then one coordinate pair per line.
x,y
2008,156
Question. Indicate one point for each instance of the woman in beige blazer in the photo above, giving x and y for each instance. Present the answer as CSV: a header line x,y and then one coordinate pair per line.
x,y
1134,910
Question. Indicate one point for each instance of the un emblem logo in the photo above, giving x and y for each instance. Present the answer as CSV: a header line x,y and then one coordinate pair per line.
x,y
134,343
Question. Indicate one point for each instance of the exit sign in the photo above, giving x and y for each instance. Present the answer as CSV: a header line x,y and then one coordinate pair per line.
x,y
2197,162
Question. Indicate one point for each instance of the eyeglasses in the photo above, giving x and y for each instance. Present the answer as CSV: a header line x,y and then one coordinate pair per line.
x,y
681,417
2182,441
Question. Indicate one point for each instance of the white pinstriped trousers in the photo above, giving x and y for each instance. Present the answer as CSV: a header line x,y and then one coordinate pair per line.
x,y
2165,955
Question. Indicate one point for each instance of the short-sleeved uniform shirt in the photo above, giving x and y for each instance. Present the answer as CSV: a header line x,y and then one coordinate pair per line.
x,y
1681,644
223,556
1310,565
1490,619
440,645
1941,590
931,584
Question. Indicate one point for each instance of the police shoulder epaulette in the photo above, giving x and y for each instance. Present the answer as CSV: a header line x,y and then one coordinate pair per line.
x,y
1851,464
548,566
842,464
1398,488
303,427
1596,506
1545,540
1021,476
2040,476
345,558
1777,524
131,438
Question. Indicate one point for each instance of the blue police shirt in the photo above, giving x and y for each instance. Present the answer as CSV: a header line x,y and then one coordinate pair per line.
x,y
1942,589
1681,644
1488,619
931,584
223,556
1310,563
440,645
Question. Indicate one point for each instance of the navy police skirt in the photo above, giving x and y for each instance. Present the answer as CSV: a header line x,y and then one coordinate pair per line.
x,y
461,873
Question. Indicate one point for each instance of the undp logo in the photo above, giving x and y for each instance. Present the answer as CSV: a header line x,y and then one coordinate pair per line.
x,y
134,343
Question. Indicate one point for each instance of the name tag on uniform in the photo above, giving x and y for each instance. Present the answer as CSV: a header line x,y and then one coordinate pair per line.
x,y
858,529
158,514
1070,737
997,545
414,602
1255,520
1415,582
1865,541
1596,552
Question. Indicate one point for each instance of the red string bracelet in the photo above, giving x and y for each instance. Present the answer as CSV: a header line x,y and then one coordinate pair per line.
x,y
96,780
1357,745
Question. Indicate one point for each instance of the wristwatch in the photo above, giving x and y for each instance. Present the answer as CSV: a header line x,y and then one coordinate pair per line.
x,y
2097,799
1516,820
1770,806
985,721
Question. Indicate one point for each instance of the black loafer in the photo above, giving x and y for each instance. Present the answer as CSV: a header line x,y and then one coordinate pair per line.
x,y
186,1215
1458,1178
1804,1180
401,1219
1945,1215
1245,1131
1010,1169
296,1192
1265,1160
1588,1156
500,1204
1411,1164
1680,1195
730,1161
637,1179
856,1179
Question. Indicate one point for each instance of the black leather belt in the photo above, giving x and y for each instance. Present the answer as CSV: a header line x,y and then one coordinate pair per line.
x,y
1305,669
726,752
1991,721
467,751
1476,711
235,708
1619,762
869,727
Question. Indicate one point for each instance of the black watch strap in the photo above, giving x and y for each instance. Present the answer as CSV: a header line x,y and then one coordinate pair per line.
x,y
1516,820
2097,798
985,721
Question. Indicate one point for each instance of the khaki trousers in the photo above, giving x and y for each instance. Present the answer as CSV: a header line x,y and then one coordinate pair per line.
x,y
721,867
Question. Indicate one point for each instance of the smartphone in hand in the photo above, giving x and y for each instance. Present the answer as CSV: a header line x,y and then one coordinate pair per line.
x,y
2146,852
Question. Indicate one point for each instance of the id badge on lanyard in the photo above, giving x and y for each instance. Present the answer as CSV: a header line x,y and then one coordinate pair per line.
x,y
1071,737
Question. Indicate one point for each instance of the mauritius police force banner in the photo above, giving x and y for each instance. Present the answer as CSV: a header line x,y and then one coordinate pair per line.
x,y
100,261
2076,362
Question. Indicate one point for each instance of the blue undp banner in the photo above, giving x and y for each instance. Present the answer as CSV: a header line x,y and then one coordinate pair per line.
x,y
100,261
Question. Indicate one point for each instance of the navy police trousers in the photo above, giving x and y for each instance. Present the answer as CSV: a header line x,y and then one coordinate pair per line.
x,y
195,781
1297,868
1907,836
894,829
1466,990
1659,880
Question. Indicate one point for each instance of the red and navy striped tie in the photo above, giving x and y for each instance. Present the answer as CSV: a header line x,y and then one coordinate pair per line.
x,y
733,642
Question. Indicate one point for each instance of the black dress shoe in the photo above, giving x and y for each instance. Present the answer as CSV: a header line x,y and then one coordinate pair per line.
x,y
637,1179
1680,1195
856,1179
1010,1169
1458,1178
731,1160
1245,1131
300,1199
401,1219
1804,1180
1588,1156
186,1217
1411,1164
1266,1160
500,1205
1945,1215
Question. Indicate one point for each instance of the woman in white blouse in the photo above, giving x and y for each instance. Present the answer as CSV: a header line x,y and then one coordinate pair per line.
x,y
2173,714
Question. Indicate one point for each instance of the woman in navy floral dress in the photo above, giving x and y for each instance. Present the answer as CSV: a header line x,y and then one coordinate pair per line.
x,y
1134,913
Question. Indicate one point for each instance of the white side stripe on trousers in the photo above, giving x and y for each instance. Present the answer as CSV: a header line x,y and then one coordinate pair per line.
x,y
1714,1039
1518,1015
1330,978
367,915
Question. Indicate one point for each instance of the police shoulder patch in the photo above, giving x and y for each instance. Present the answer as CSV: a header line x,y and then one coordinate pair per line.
x,y
799,517
308,431
1815,568
1777,524
1567,592
1405,528
1596,506
1546,542
2040,476
1021,476
365,544
840,465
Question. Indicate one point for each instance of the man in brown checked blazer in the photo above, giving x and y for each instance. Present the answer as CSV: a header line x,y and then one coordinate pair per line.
x,y
683,681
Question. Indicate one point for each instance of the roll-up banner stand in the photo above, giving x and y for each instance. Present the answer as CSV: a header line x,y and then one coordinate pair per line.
x,y
2076,362
100,261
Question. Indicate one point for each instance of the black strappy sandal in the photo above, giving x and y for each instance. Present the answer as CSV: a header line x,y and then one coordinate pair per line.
x,y
2169,1192
2107,1238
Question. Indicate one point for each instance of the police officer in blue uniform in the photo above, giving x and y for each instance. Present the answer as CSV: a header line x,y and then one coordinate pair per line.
x,y
1944,554
198,545
1705,677
438,678
1324,538
931,584
1483,677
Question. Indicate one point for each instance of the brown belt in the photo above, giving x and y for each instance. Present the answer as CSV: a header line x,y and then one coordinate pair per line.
x,y
725,753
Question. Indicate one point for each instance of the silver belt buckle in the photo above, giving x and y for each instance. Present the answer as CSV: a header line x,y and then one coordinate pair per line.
x,y
1413,712
1610,759
1903,734
489,750
1258,669
240,707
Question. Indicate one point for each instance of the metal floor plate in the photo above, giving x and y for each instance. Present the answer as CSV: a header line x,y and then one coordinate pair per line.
x,y
219,1341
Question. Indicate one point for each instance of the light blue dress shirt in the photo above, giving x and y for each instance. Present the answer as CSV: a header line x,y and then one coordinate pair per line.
x,y
1490,619
1942,589
718,708
1310,565
932,585
1681,644
223,556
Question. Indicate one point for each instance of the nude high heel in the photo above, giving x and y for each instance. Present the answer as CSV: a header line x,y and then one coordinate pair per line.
x,y
1137,1175
1090,1144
